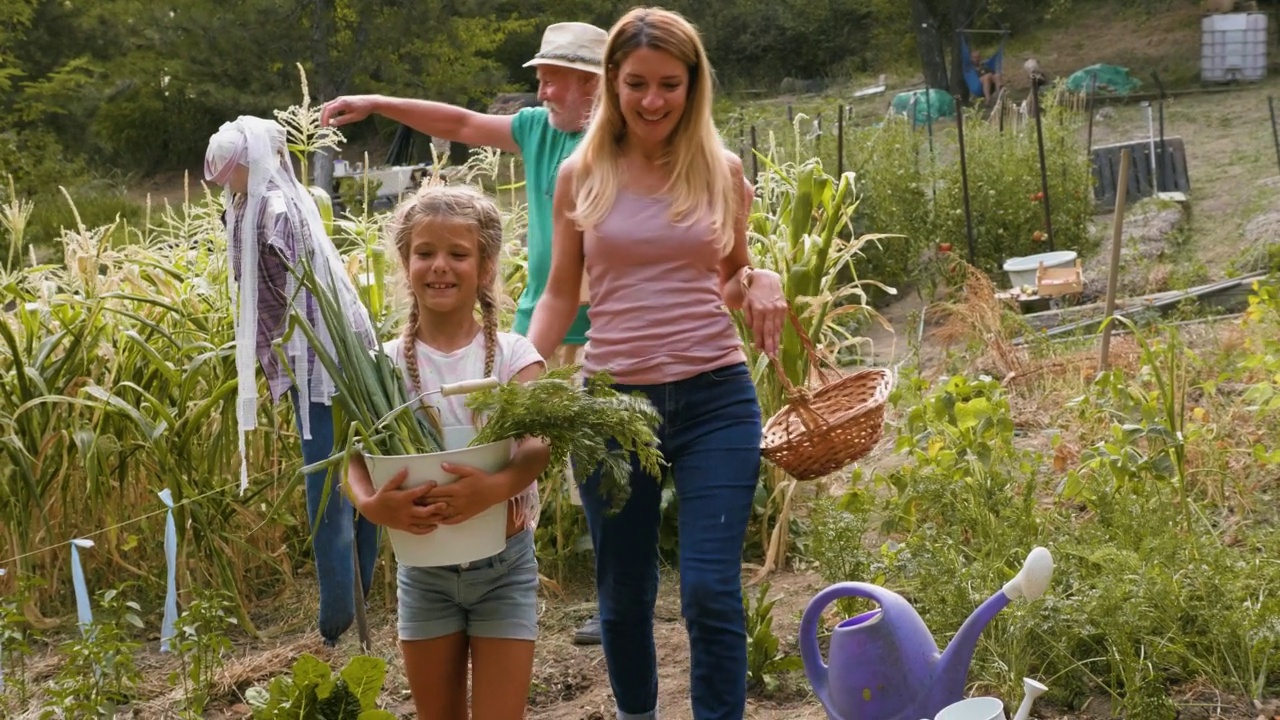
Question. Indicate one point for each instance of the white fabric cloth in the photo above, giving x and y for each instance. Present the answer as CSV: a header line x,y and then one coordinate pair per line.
x,y
260,144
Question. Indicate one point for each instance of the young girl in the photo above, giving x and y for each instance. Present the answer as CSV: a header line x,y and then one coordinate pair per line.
x,y
448,240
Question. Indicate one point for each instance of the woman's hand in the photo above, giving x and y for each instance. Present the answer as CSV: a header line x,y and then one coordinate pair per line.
x,y
473,492
399,509
764,307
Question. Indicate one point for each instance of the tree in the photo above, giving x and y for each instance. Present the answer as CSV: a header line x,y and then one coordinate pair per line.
x,y
933,60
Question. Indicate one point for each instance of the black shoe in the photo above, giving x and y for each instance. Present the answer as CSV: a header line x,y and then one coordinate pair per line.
x,y
589,633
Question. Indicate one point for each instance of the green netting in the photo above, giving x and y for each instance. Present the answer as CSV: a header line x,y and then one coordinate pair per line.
x,y
1111,79
939,104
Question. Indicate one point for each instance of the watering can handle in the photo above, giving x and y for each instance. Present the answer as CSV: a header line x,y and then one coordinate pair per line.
x,y
815,667
468,386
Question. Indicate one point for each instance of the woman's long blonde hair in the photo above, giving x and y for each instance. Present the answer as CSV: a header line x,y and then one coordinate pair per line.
x,y
699,183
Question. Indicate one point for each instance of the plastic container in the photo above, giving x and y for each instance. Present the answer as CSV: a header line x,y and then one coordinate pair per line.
x,y
480,537
1233,47
1022,270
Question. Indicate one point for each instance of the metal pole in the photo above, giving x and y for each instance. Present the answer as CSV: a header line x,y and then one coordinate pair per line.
x,y
1164,170
928,109
964,179
1275,134
1113,275
1093,87
840,142
1044,178
362,622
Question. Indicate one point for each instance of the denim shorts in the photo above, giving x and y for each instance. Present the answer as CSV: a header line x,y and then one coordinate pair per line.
x,y
496,597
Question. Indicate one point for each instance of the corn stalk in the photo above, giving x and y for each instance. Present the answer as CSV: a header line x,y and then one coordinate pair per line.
x,y
801,227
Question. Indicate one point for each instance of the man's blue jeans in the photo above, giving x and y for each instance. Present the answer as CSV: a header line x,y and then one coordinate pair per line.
x,y
339,523
710,435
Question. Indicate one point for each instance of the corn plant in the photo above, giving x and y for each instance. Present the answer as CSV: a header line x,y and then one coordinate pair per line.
x,y
800,226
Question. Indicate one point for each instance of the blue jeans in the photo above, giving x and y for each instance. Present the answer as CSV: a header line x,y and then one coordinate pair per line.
x,y
710,435
339,524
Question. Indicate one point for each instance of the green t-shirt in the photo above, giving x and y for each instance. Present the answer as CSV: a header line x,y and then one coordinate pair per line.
x,y
543,148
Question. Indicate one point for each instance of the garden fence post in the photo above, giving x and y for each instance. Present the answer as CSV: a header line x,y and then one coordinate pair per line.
x,y
1113,274
1044,178
755,168
362,621
840,142
1275,134
964,179
1088,138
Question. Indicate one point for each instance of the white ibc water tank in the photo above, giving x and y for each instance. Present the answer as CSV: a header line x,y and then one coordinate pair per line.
x,y
1233,46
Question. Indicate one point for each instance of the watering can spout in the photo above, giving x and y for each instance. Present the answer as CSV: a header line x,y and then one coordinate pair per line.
x,y
1031,582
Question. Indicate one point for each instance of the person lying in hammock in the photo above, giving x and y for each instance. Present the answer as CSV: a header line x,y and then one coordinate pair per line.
x,y
989,77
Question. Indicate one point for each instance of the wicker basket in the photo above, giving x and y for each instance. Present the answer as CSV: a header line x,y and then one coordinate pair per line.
x,y
823,430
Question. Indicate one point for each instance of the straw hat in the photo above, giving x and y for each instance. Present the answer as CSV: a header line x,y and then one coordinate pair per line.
x,y
575,45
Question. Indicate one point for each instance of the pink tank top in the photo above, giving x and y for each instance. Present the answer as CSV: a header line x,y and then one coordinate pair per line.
x,y
656,313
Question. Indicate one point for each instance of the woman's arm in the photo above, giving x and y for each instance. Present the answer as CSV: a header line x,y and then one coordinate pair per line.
x,y
757,292
558,306
737,264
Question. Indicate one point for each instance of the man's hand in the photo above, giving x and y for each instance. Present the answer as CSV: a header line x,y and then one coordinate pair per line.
x,y
473,492
400,509
346,110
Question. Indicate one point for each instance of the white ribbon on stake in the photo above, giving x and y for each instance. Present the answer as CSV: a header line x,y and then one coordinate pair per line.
x,y
83,611
171,559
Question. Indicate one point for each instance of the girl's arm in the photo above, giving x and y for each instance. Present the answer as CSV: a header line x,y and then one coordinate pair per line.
x,y
476,490
390,505
558,306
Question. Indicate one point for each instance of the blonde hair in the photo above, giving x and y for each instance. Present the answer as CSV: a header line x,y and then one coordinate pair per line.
x,y
699,182
465,204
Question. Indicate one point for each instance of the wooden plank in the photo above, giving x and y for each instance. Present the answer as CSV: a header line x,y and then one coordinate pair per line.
x,y
1227,294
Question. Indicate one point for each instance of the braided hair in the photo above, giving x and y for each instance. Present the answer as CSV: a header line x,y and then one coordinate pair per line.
x,y
456,203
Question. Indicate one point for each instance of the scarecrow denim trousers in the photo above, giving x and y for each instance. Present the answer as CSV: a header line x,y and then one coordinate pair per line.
x,y
339,525
710,436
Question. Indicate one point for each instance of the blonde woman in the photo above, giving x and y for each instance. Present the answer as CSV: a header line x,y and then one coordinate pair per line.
x,y
654,209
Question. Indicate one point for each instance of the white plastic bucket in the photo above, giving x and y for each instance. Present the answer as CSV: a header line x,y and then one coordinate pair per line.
x,y
480,537
978,708
1022,270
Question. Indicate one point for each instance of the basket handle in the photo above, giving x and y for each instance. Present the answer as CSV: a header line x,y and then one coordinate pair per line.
x,y
816,359
798,398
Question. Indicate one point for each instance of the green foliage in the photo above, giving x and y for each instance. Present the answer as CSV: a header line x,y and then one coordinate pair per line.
x,y
834,541
100,672
894,185
1140,601
766,661
17,636
202,645
312,692
597,426
1005,197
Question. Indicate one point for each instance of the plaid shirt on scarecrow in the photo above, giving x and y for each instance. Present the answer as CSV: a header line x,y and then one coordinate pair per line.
x,y
281,240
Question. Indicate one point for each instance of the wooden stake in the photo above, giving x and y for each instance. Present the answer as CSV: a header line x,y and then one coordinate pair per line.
x,y
1113,275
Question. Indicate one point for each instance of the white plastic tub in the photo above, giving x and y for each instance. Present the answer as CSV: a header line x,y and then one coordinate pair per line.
x,y
480,537
1022,270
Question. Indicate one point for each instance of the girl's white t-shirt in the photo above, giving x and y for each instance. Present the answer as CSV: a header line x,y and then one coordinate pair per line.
x,y
436,368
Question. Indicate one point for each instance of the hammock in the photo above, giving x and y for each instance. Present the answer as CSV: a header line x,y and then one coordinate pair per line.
x,y
971,75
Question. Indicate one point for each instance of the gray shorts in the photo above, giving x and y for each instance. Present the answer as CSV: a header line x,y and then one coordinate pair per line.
x,y
494,598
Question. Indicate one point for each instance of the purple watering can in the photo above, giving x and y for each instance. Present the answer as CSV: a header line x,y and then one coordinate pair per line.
x,y
885,664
